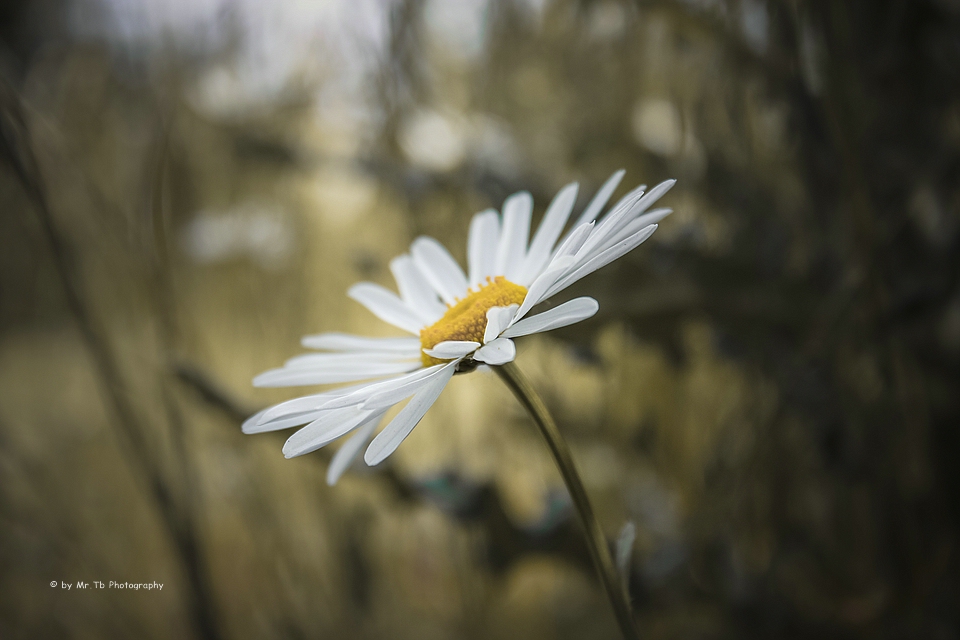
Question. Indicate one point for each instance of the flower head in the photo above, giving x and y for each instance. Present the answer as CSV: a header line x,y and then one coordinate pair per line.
x,y
458,320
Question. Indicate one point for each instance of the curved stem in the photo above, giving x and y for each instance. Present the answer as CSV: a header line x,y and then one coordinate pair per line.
x,y
596,541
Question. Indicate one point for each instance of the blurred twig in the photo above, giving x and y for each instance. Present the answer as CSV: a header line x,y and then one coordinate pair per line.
x,y
18,150
212,392
164,309
466,502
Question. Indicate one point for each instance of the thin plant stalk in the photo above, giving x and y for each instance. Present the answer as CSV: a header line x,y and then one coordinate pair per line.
x,y
596,542
15,145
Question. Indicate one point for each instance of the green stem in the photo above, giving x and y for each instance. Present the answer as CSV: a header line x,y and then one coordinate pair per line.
x,y
596,541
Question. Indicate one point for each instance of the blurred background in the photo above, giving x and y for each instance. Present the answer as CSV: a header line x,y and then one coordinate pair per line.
x,y
188,186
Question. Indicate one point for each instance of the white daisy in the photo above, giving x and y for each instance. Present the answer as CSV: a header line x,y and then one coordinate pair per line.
x,y
458,320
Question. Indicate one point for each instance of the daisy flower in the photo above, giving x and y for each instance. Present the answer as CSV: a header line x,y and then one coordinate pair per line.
x,y
457,321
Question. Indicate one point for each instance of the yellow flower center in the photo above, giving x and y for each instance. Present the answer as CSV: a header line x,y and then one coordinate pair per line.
x,y
467,319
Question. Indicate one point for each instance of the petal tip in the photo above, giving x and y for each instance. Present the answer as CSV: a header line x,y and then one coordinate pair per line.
x,y
290,450
419,241
352,291
519,196
250,424
372,458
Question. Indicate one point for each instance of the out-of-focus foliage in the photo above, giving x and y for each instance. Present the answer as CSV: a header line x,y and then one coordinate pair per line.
x,y
769,391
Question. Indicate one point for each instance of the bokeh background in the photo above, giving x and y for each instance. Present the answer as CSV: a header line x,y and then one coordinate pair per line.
x,y
770,392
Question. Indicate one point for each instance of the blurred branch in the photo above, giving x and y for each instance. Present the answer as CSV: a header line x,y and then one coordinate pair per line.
x,y
19,468
164,309
211,391
18,151
459,498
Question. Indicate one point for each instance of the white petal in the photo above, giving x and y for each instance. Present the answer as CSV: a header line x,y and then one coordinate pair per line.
x,y
499,351
635,225
389,397
610,224
439,268
400,427
559,268
653,217
415,291
263,422
604,258
450,349
482,245
562,315
347,342
649,198
250,424
293,377
335,361
513,236
324,430
385,304
307,403
574,241
498,319
350,449
546,236
614,222
600,200
290,420
628,199
367,391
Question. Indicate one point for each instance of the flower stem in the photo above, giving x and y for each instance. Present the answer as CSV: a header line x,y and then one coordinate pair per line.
x,y
596,541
